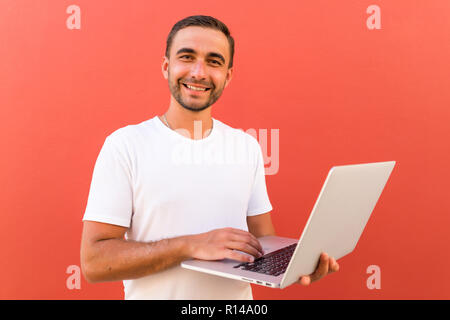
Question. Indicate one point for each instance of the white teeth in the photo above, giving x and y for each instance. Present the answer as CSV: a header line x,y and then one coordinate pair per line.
x,y
195,88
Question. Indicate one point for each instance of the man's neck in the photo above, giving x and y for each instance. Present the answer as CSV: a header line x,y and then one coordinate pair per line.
x,y
194,125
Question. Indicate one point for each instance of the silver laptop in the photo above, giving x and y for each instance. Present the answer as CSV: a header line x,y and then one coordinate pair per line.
x,y
335,225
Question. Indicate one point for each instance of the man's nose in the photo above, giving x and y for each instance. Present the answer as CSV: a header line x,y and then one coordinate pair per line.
x,y
198,70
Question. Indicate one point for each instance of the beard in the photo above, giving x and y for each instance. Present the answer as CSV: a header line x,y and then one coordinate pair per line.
x,y
175,89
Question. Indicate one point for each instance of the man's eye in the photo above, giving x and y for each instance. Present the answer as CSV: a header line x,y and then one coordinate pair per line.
x,y
187,57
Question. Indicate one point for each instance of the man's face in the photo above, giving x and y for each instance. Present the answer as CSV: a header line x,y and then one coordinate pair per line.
x,y
197,70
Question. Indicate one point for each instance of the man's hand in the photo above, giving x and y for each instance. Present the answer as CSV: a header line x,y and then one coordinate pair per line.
x,y
326,266
221,243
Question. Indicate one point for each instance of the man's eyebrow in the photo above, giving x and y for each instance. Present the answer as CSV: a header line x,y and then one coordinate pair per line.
x,y
210,54
217,55
185,50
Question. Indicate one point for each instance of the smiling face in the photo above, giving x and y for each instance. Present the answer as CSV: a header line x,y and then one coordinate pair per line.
x,y
197,70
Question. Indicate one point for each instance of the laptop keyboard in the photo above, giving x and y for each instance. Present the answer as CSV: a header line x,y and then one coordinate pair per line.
x,y
274,263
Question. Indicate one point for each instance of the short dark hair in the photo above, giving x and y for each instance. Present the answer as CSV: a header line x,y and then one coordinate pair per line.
x,y
201,21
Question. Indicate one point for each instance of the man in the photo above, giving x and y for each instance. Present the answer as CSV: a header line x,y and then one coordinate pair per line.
x,y
160,194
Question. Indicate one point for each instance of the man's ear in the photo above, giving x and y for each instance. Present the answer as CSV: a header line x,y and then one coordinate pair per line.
x,y
229,76
165,68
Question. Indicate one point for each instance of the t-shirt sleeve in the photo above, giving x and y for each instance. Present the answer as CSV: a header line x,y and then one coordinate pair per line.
x,y
259,202
111,194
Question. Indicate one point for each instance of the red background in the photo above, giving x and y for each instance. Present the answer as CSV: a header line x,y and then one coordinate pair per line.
x,y
338,92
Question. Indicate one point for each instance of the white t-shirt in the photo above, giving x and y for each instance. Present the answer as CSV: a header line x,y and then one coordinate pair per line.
x,y
161,184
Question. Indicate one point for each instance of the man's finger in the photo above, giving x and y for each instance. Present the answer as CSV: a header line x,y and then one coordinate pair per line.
x,y
305,280
322,269
244,247
234,255
248,239
334,266
326,265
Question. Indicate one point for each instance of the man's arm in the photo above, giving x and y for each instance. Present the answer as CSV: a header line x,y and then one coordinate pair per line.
x,y
261,225
107,256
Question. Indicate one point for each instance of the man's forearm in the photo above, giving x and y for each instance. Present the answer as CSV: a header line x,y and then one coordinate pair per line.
x,y
118,259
